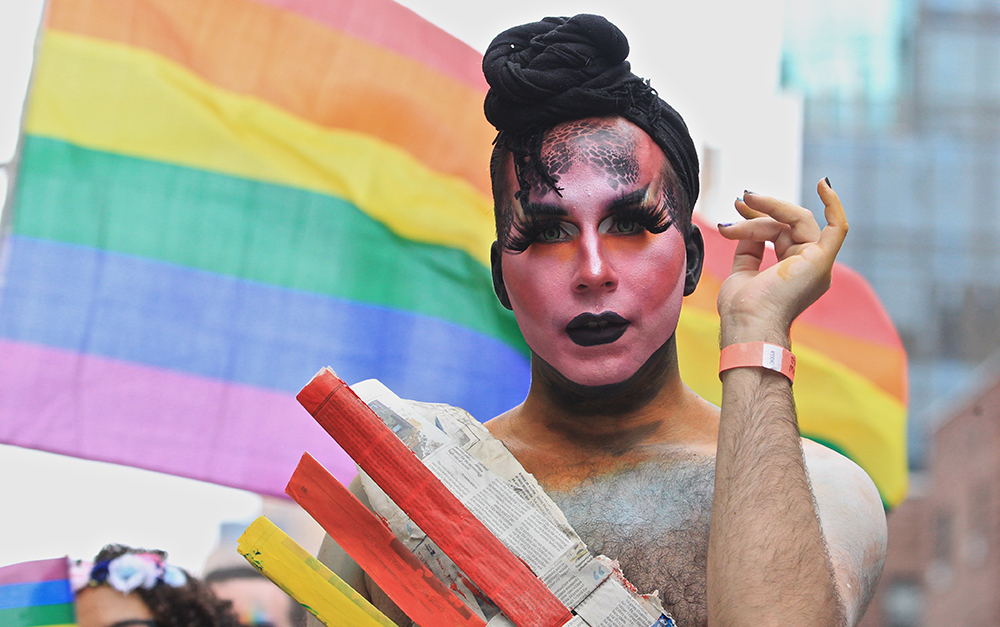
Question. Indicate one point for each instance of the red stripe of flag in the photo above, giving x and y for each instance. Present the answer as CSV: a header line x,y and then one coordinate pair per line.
x,y
33,572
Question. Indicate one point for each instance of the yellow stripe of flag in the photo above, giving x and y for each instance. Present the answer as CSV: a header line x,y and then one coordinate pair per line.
x,y
124,100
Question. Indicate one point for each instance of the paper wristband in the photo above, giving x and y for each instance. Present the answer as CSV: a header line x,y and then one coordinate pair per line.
x,y
758,355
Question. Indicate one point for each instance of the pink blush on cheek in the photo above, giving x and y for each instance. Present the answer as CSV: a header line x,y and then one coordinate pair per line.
x,y
535,294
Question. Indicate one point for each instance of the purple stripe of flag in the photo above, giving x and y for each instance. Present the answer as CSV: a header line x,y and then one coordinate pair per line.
x,y
124,413
39,570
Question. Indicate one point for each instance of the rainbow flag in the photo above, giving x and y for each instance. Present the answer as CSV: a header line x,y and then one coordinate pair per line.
x,y
216,198
36,594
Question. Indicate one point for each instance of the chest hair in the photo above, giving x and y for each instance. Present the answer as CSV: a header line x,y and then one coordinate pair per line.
x,y
654,519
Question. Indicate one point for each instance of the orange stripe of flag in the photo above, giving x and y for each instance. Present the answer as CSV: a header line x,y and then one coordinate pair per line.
x,y
884,366
316,73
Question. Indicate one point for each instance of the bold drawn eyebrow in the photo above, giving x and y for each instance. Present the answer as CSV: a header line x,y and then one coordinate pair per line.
x,y
539,209
626,201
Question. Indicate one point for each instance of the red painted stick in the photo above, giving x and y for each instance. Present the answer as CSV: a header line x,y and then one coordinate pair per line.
x,y
487,562
410,584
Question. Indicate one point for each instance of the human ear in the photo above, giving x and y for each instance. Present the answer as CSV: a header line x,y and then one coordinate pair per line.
x,y
695,246
497,271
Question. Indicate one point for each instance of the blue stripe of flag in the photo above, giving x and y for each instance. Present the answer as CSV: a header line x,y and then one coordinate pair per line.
x,y
35,593
168,316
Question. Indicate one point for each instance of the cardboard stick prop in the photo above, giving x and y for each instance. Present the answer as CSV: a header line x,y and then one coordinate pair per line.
x,y
306,579
468,538
362,434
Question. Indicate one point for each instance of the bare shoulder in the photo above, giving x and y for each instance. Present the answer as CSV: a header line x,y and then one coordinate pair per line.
x,y
853,521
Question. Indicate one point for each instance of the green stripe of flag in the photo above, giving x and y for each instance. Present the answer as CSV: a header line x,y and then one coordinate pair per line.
x,y
38,615
256,231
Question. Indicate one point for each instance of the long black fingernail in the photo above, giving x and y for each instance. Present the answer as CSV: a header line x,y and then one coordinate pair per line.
x,y
827,179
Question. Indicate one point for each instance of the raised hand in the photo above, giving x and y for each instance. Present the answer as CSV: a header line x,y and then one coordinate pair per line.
x,y
767,555
760,305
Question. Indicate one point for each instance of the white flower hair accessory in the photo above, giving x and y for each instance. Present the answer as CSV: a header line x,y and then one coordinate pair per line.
x,y
173,576
130,571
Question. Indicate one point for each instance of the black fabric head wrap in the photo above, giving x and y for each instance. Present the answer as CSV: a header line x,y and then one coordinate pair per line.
x,y
564,69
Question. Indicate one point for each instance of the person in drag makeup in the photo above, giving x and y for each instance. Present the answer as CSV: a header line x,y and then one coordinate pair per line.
x,y
726,511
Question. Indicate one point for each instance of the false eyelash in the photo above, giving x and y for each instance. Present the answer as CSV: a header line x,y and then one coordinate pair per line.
x,y
655,219
523,234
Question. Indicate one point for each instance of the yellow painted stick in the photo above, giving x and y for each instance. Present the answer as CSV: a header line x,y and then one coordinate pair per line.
x,y
306,579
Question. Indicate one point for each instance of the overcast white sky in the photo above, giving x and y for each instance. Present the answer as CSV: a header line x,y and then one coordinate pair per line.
x,y
716,61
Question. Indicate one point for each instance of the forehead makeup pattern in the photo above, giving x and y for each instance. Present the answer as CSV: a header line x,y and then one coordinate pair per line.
x,y
612,146
602,144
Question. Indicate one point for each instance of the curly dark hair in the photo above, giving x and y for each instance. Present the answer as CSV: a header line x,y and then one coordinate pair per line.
x,y
191,605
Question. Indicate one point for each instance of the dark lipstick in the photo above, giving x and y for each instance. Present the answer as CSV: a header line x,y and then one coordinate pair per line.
x,y
589,329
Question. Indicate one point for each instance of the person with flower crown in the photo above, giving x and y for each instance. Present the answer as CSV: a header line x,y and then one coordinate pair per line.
x,y
130,587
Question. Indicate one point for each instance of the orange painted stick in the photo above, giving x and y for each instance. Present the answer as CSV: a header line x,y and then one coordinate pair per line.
x,y
410,584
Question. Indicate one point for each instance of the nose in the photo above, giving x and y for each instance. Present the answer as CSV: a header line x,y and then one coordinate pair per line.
x,y
594,269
